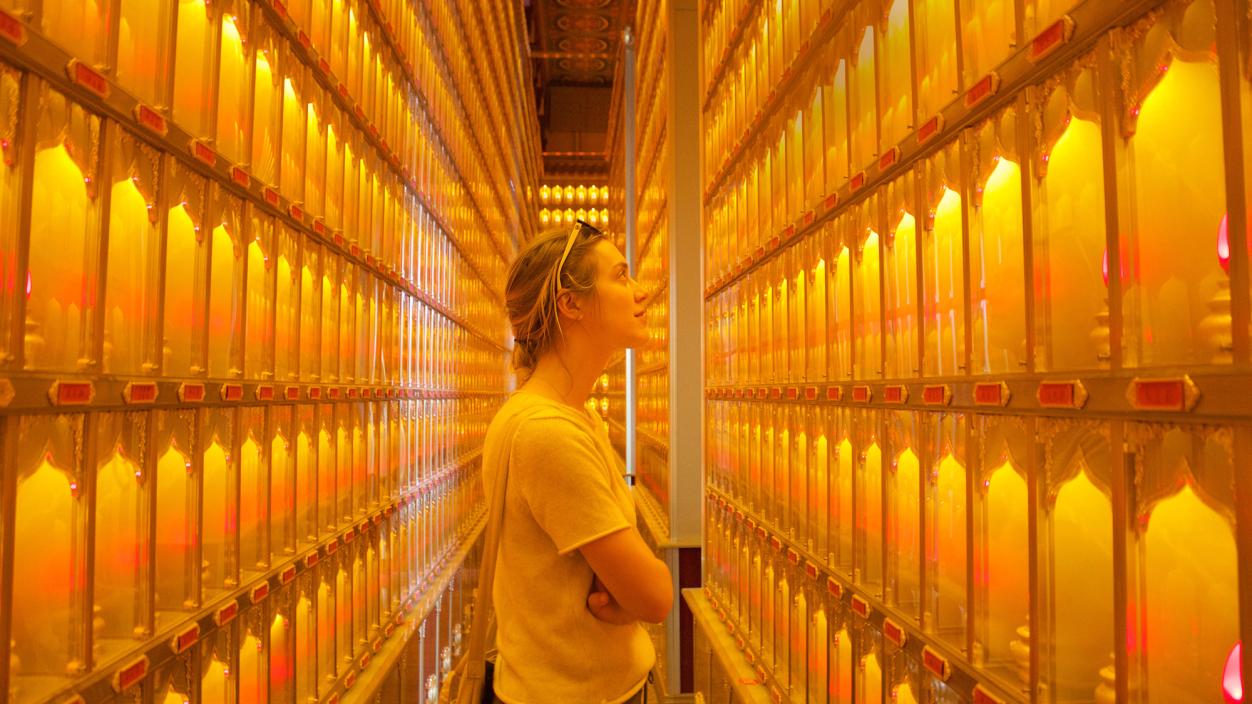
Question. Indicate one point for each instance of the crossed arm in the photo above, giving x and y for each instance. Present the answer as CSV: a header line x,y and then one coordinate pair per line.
x,y
631,584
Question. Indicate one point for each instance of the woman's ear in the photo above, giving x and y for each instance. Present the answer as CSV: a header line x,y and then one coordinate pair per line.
x,y
569,305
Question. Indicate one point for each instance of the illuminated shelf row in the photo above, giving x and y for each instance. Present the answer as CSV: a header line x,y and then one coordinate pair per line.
x,y
897,506
462,75
920,272
158,202
570,195
396,156
239,493
1200,395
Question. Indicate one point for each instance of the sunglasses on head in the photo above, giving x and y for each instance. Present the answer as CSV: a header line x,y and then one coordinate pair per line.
x,y
579,227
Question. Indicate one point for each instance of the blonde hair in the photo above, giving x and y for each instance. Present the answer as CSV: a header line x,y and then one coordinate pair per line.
x,y
541,272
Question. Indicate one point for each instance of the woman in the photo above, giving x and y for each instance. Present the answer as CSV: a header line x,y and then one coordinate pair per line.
x,y
573,576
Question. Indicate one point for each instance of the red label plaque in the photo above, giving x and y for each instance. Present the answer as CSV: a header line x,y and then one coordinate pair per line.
x,y
1178,395
888,159
190,393
226,614
936,663
296,212
831,201
893,632
271,197
991,394
861,394
310,560
860,607
929,129
895,394
858,181
184,640
265,392
88,78
130,674
151,120
287,575
792,556
793,393
1051,38
810,569
140,392
986,87
260,592
203,153
1061,394
11,29
292,393
232,392
937,395
834,393
315,393
71,393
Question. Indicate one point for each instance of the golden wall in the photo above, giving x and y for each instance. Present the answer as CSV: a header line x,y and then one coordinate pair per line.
x,y
977,351
251,336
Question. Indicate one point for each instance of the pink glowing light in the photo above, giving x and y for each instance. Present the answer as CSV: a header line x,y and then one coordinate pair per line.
x,y
1223,245
1104,268
28,285
1232,678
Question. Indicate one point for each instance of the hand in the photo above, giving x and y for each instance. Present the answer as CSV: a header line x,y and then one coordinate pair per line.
x,y
603,606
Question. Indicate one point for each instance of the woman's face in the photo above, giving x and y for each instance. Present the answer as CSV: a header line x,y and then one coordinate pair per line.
x,y
616,313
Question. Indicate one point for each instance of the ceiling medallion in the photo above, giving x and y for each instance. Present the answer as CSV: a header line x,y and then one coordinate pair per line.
x,y
588,24
583,45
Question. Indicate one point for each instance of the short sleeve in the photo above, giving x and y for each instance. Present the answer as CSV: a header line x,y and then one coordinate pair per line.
x,y
559,472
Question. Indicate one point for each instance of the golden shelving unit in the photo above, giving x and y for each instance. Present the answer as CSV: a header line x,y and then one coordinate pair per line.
x,y
257,341
971,406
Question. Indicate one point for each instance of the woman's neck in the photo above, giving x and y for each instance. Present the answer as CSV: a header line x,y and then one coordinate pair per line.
x,y
567,376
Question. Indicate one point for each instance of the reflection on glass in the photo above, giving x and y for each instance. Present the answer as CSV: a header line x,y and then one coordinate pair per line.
x,y
864,108
996,270
141,48
1004,573
1069,237
48,552
193,51
130,281
60,280
900,299
1178,140
895,74
987,35
78,26
867,301
234,122
944,288
119,550
936,48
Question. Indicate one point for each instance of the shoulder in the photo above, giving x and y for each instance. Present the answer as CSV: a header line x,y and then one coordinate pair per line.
x,y
552,430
